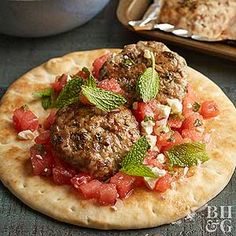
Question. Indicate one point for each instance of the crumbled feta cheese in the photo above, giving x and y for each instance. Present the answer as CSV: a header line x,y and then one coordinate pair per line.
x,y
186,170
147,54
152,140
27,134
176,105
69,78
164,111
151,182
161,129
161,158
114,208
147,126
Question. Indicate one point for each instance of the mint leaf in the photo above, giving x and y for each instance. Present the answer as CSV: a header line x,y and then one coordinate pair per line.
x,y
44,93
102,99
46,102
70,93
46,96
91,82
137,153
138,170
187,154
148,83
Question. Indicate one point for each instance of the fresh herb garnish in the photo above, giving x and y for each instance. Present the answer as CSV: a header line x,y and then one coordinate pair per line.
x,y
46,96
128,62
196,106
198,123
148,83
102,99
187,154
133,162
70,93
147,118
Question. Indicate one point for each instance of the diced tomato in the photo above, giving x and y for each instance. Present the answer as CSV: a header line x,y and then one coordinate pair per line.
x,y
90,189
62,175
43,138
107,194
83,74
175,122
124,183
139,181
41,160
209,109
81,178
192,134
142,110
24,119
167,140
98,63
59,83
110,85
163,183
192,121
50,119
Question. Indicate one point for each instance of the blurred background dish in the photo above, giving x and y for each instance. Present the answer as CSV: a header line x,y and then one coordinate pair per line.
x,y
29,18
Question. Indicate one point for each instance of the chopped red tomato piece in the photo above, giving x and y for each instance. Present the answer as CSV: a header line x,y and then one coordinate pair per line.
x,y
141,110
139,181
163,183
50,119
81,178
192,134
98,63
43,138
167,140
91,189
192,121
107,194
62,175
124,183
209,109
110,85
41,160
83,74
24,119
175,122
59,83
153,162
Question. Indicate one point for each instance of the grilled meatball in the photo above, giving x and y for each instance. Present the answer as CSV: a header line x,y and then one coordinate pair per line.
x,y
94,141
128,65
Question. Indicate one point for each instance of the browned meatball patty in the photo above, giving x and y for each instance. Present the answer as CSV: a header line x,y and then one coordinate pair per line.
x,y
94,141
130,63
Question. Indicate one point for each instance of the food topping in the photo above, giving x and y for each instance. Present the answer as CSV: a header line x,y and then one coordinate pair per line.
x,y
92,142
187,154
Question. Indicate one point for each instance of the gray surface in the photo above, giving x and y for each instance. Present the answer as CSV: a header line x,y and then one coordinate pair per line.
x,y
43,18
20,55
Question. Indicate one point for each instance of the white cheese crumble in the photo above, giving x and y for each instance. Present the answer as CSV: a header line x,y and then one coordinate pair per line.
x,y
69,78
161,158
147,126
151,182
176,105
185,170
161,129
152,140
147,54
27,134
164,111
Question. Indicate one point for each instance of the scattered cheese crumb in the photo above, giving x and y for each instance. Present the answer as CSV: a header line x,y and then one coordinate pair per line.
x,y
147,126
161,158
176,105
152,140
27,135
147,54
185,170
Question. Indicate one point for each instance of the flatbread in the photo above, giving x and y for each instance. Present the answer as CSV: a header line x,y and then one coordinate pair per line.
x,y
143,208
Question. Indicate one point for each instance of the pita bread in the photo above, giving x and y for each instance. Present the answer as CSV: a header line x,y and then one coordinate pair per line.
x,y
143,209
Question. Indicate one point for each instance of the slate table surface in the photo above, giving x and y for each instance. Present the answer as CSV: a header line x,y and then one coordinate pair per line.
x,y
18,55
